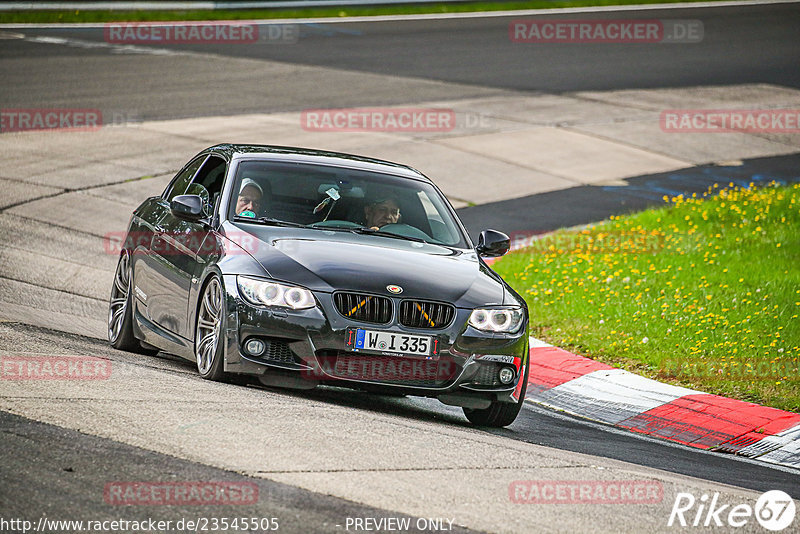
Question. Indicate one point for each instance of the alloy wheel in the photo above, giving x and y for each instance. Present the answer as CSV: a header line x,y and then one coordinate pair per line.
x,y
209,322
118,304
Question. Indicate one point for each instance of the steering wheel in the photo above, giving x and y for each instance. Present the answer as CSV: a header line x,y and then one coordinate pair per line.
x,y
335,224
405,230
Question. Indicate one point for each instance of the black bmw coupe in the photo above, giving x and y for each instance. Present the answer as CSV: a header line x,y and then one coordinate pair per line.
x,y
305,267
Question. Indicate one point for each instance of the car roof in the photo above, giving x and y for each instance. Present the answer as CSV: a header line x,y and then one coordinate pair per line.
x,y
321,157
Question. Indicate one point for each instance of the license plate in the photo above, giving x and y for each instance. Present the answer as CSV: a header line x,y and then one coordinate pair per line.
x,y
393,342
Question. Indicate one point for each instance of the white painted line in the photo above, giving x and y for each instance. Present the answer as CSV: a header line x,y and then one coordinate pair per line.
x,y
618,382
770,444
611,396
537,343
447,16
788,454
543,409
119,48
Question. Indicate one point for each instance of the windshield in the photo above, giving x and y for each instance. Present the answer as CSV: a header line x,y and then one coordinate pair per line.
x,y
336,198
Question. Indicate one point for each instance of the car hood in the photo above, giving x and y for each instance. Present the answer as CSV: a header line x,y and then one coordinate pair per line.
x,y
333,260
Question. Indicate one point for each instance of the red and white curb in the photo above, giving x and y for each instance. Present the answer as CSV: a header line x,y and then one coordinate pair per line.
x,y
581,386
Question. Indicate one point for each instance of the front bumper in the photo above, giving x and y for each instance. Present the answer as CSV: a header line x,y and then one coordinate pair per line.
x,y
313,345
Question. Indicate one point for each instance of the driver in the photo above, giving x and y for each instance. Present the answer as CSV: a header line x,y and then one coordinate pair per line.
x,y
251,196
382,211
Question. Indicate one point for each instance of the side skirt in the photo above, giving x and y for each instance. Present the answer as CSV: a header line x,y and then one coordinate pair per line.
x,y
154,335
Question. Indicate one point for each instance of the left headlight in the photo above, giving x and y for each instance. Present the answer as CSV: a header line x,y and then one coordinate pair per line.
x,y
507,320
266,293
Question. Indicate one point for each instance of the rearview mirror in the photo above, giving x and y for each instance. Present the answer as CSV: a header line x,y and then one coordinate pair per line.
x,y
492,243
187,207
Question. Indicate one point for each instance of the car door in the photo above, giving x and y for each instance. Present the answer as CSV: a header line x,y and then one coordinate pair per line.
x,y
149,287
178,254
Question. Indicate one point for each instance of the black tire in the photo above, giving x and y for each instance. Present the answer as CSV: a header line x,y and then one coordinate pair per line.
x,y
120,310
499,414
209,331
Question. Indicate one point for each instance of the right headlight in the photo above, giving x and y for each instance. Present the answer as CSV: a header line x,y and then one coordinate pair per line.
x,y
506,320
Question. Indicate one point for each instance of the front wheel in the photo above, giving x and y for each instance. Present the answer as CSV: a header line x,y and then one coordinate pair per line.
x,y
499,414
207,346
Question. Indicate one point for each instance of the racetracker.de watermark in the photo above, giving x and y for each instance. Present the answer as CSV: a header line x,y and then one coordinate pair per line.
x,y
218,32
383,369
378,120
610,242
585,492
20,120
180,243
63,119
54,368
730,120
180,493
772,370
605,31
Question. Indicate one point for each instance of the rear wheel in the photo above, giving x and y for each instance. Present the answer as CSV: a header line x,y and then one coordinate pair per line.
x,y
499,414
120,309
207,346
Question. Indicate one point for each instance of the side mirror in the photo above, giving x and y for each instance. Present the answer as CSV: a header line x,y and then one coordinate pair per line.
x,y
492,243
187,207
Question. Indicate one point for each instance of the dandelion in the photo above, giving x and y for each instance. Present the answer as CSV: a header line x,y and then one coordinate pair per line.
x,y
690,296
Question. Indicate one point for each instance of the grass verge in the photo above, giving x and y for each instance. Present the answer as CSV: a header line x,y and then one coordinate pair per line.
x,y
42,16
703,292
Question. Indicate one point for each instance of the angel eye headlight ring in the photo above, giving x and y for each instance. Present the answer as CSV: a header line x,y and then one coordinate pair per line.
x,y
505,320
268,293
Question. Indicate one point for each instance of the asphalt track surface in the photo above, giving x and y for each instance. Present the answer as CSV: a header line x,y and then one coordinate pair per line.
x,y
69,463
57,472
428,59
586,204
741,45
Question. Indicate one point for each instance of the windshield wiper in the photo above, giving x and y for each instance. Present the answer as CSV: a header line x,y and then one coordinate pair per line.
x,y
370,231
269,221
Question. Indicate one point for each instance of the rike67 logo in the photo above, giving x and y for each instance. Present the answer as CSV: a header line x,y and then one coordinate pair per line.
x,y
774,510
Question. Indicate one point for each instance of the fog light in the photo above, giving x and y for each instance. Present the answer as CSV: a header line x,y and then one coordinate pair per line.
x,y
254,347
506,375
